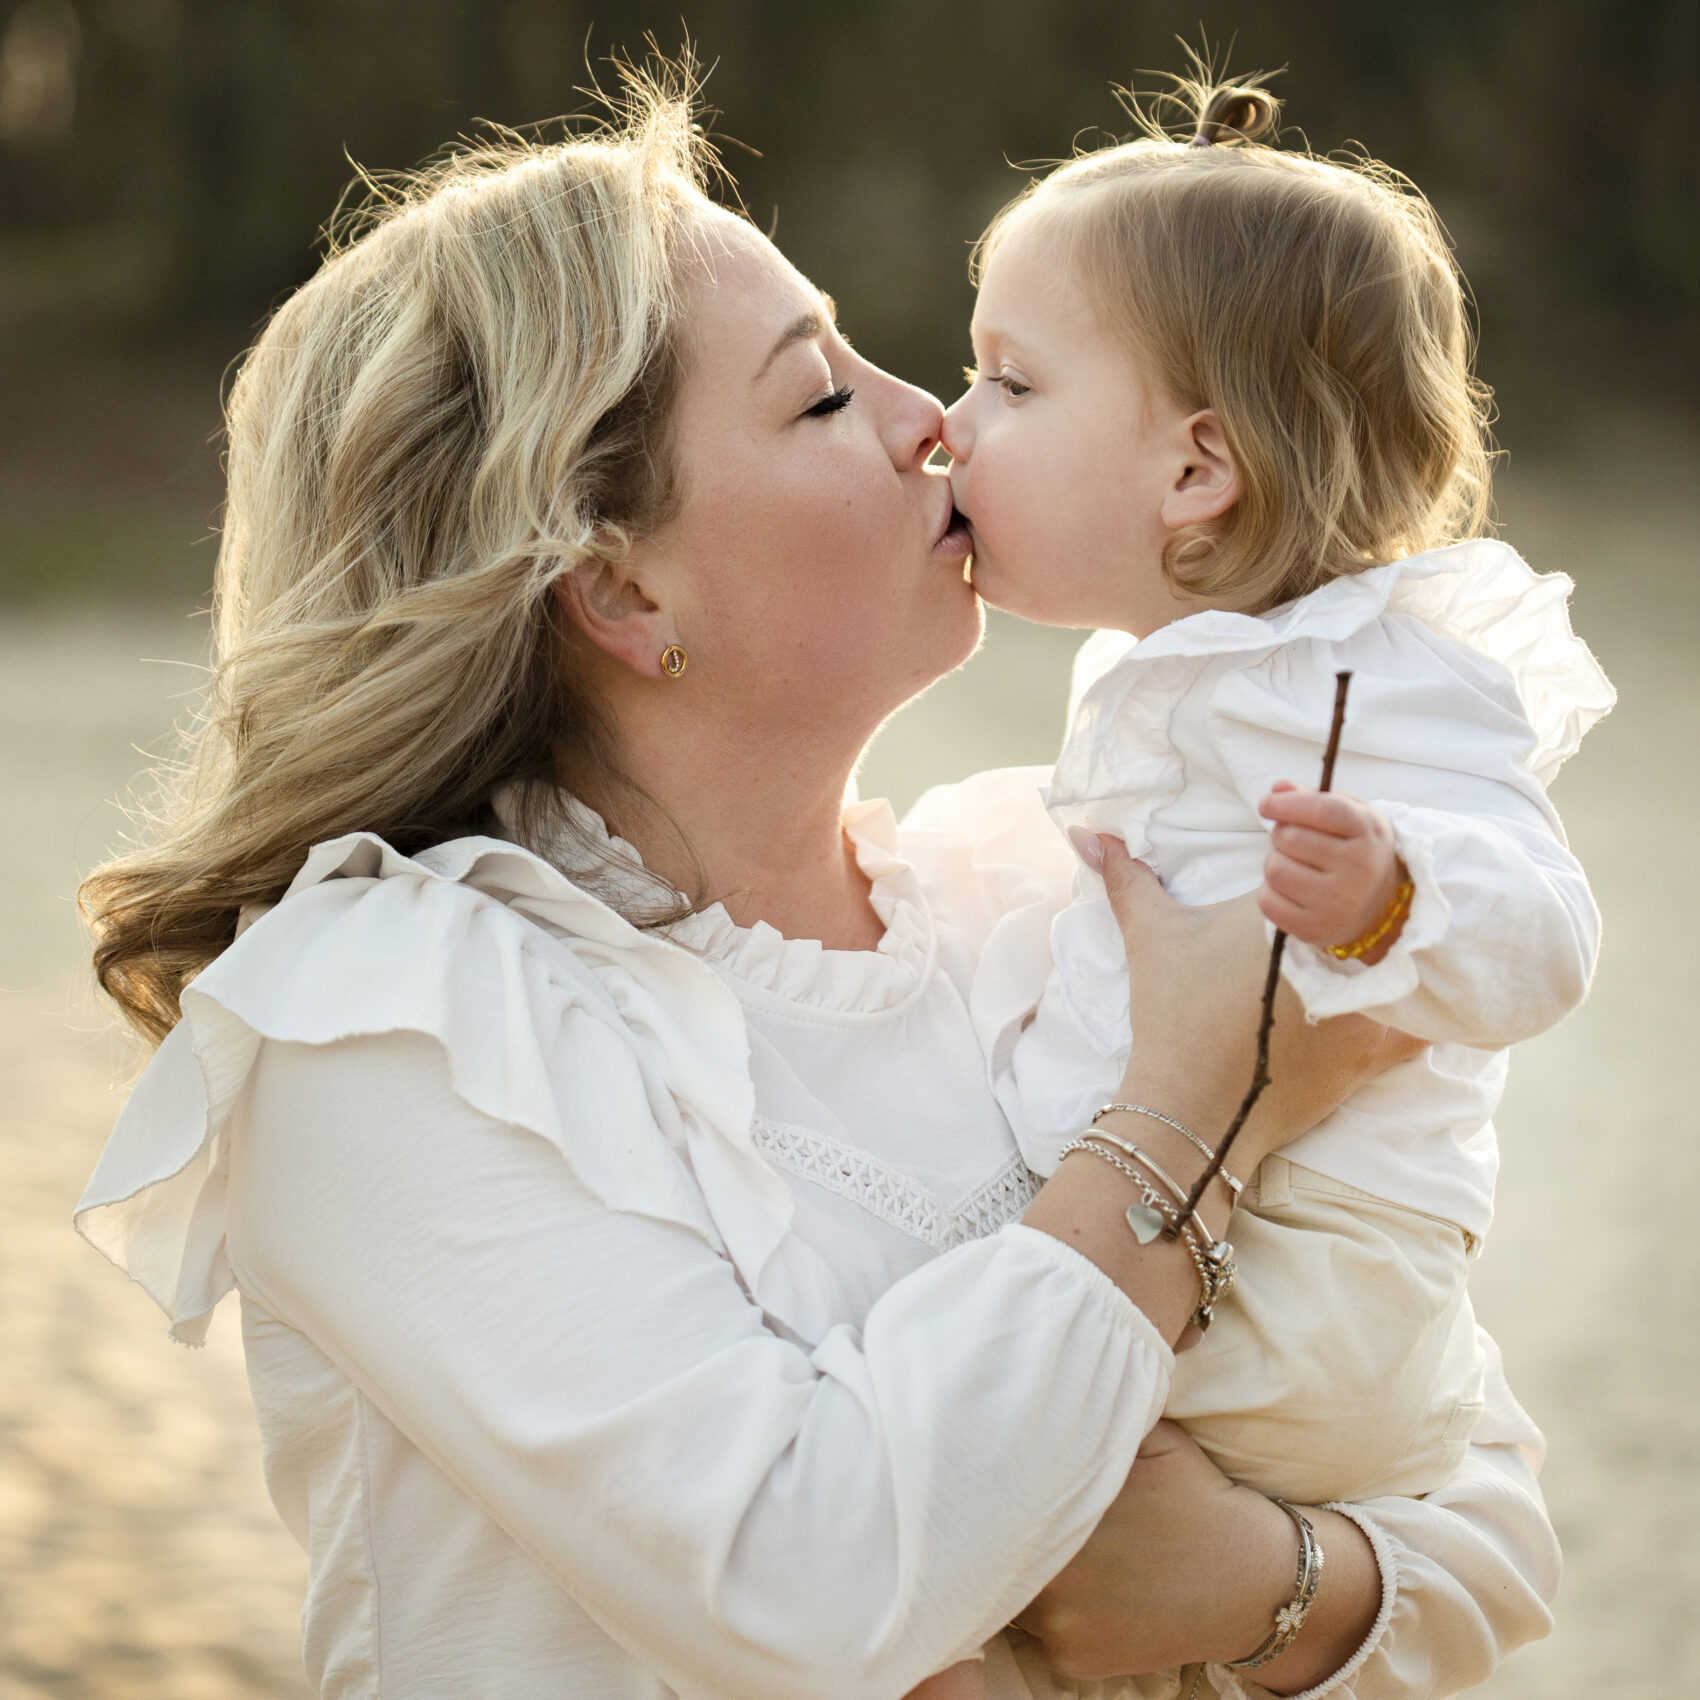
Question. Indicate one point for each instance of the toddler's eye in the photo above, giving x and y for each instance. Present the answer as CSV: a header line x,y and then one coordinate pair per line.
x,y
1011,387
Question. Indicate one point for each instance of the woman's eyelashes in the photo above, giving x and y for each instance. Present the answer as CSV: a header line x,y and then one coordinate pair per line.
x,y
834,402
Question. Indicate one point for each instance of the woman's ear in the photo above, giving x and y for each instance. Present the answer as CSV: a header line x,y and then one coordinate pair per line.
x,y
608,603
1207,480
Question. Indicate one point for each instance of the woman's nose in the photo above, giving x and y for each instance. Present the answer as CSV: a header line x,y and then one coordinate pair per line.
x,y
917,421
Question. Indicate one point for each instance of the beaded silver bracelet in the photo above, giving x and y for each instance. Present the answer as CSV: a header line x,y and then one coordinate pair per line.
x,y
1096,1132
1157,1116
1290,1618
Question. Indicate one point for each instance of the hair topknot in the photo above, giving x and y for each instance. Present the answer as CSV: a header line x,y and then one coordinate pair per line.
x,y
1205,106
1240,113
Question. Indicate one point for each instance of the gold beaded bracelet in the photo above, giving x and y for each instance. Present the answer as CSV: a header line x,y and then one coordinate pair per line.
x,y
1397,910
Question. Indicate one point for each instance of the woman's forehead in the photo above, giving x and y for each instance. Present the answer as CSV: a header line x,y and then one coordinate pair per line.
x,y
742,296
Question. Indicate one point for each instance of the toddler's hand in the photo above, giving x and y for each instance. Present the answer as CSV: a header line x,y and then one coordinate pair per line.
x,y
1332,871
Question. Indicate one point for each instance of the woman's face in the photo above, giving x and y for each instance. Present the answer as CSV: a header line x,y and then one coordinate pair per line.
x,y
811,569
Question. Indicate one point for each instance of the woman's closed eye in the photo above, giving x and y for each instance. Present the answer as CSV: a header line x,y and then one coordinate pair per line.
x,y
834,402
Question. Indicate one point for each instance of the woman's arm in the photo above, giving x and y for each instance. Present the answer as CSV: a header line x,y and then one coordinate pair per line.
x,y
1433,1594
1187,1566
749,1517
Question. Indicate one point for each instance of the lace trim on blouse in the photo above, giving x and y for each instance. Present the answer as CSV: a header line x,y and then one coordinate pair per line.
x,y
895,1198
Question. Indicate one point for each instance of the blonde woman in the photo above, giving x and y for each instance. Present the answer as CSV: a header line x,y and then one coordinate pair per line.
x,y
585,1104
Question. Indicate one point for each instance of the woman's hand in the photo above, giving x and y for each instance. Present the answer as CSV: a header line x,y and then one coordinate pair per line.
x,y
1186,1566
1195,984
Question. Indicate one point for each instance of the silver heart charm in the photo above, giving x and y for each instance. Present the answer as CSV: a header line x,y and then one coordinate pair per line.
x,y
1146,1223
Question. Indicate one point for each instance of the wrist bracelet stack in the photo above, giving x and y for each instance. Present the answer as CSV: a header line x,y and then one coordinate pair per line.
x,y
1161,1201
1290,1618
1231,1182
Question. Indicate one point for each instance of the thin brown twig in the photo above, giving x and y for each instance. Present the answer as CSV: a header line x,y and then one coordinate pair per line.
x,y
1271,985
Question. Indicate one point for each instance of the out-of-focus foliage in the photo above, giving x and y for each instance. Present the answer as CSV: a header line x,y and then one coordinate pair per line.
x,y
166,166
164,161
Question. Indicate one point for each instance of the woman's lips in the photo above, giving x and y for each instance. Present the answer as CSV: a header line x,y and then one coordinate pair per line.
x,y
955,539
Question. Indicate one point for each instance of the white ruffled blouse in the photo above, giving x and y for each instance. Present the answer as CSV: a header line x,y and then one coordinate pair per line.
x,y
1469,691
631,1316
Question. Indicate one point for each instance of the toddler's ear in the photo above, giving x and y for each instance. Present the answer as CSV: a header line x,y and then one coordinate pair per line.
x,y
1207,481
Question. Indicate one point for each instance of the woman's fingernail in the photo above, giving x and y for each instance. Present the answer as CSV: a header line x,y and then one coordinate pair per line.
x,y
1088,847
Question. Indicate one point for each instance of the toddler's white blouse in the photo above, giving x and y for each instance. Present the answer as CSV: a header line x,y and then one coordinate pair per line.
x,y
614,1311
1468,692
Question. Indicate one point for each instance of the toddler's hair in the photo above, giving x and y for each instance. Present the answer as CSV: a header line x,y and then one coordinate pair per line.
x,y
1314,305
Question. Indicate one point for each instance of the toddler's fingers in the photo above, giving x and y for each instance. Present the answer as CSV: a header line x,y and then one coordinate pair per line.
x,y
1289,917
1310,888
1320,850
1321,811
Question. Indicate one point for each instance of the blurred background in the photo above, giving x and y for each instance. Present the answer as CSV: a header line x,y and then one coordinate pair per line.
x,y
165,166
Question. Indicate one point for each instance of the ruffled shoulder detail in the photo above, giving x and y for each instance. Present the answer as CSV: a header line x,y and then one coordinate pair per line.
x,y
1481,594
997,873
555,1015
803,971
1485,595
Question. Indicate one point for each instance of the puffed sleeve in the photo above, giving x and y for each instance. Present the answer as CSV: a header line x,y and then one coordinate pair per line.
x,y
1503,932
748,1516
1468,1572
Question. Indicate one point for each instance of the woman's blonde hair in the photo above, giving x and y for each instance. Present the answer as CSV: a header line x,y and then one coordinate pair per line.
x,y
470,397
1314,305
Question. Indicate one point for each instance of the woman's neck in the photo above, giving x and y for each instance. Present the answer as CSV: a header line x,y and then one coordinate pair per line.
x,y
752,823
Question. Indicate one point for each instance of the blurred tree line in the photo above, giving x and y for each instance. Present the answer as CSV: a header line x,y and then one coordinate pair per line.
x,y
165,165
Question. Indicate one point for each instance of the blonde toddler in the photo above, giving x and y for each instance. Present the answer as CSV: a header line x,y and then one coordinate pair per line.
x,y
1223,410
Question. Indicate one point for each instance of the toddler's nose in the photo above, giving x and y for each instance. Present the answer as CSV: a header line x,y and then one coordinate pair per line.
x,y
955,433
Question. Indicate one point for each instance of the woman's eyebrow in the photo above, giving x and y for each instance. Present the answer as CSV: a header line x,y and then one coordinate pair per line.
x,y
804,328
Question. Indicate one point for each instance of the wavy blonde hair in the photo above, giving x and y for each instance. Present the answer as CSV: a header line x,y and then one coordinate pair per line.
x,y
1314,305
469,398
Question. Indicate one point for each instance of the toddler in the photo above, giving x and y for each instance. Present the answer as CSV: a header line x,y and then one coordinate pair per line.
x,y
1224,410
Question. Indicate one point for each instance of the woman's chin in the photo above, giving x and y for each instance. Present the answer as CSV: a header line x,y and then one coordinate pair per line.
x,y
954,642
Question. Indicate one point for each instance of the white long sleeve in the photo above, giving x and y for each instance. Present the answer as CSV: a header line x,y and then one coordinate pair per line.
x,y
1503,931
745,1516
1475,1567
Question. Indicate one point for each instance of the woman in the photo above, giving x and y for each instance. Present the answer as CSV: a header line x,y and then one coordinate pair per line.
x,y
598,1245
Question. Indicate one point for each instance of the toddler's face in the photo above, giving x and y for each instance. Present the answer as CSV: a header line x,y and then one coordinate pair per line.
x,y
1071,464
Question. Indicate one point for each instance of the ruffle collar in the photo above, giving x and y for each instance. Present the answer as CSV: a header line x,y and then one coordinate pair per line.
x,y
764,965
1480,593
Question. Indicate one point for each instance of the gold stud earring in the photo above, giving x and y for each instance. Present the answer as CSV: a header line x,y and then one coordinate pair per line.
x,y
673,661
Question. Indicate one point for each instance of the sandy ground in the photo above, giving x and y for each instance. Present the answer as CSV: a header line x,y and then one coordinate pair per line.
x,y
138,1555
